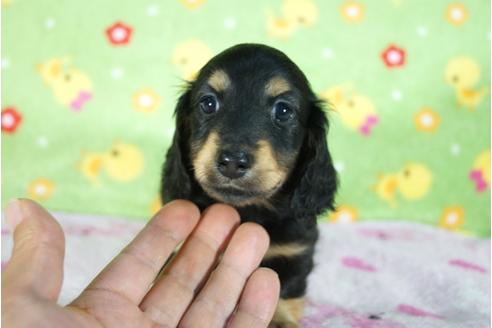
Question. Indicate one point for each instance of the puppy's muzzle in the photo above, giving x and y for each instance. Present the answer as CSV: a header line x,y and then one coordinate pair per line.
x,y
234,164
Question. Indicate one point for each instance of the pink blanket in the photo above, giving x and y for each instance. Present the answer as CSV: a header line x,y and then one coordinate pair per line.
x,y
367,275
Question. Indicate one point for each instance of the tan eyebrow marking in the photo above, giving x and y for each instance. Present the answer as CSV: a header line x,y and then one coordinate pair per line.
x,y
219,80
276,86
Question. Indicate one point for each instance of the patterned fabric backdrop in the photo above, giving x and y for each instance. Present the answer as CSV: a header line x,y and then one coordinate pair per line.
x,y
89,89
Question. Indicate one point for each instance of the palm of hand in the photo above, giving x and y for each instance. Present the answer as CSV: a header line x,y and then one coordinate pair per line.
x,y
194,290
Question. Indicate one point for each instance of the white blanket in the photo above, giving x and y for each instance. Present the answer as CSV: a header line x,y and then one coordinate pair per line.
x,y
367,275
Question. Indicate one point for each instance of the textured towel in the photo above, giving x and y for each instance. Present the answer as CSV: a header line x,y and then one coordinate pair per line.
x,y
367,275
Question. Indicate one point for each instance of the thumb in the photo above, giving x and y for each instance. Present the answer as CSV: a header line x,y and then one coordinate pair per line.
x,y
36,265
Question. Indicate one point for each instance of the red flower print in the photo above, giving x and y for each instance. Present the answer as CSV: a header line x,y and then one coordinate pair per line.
x,y
393,56
10,119
119,33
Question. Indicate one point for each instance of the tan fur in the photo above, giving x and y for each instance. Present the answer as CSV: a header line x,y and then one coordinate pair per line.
x,y
276,86
266,171
288,313
286,250
219,80
261,202
269,171
205,156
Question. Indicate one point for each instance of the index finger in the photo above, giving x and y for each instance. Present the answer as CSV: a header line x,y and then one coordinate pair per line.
x,y
132,272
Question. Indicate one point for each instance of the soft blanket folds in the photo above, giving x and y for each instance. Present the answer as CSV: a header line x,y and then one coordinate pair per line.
x,y
367,275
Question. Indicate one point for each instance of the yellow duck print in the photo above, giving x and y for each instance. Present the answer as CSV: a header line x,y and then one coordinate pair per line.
x,y
192,4
71,87
294,14
278,27
123,162
189,57
356,111
480,173
463,74
412,182
300,12
386,188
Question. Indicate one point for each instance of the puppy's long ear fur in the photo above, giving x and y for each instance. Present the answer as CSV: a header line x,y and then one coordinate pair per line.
x,y
176,173
316,187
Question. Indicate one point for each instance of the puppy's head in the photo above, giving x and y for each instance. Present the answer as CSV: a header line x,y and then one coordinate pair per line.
x,y
248,123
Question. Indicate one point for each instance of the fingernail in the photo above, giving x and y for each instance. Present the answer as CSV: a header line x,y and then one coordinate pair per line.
x,y
13,213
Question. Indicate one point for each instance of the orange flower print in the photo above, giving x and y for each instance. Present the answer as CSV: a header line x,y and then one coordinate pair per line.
x,y
452,218
426,120
40,189
456,14
344,214
352,11
146,100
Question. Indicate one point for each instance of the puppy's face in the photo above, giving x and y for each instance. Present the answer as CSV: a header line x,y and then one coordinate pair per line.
x,y
247,120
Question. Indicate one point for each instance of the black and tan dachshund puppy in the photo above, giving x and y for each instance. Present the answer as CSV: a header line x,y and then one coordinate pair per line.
x,y
251,133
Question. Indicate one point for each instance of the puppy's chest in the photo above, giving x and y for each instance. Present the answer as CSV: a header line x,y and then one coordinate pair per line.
x,y
282,230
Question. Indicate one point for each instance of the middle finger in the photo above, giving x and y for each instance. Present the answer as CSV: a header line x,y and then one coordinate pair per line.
x,y
173,292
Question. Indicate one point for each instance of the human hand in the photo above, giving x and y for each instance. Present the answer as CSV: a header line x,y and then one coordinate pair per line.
x,y
196,290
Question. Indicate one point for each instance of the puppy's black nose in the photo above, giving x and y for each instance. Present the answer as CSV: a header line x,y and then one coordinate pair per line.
x,y
233,164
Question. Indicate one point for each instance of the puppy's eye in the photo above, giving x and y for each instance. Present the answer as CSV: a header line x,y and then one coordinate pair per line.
x,y
282,112
209,105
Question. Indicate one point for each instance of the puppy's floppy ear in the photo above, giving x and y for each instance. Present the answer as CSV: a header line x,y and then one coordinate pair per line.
x,y
176,173
317,184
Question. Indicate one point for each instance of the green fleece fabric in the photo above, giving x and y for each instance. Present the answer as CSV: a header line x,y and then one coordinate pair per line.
x,y
89,88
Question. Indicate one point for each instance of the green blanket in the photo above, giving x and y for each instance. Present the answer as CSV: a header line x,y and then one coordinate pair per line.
x,y
89,88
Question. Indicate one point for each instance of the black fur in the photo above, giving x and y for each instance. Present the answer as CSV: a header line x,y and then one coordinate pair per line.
x,y
309,188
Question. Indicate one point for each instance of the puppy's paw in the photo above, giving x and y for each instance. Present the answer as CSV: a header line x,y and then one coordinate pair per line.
x,y
283,324
288,313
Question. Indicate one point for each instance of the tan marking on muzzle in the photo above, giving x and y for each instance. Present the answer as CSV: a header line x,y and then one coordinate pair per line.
x,y
266,169
277,86
289,311
285,250
205,157
219,80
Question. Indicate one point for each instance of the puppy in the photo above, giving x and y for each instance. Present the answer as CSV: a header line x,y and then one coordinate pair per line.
x,y
251,133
